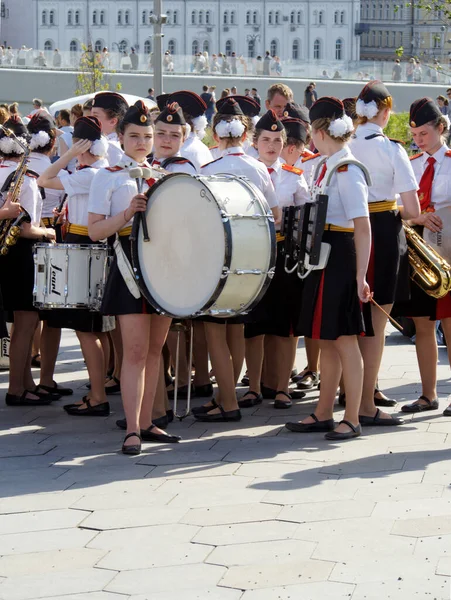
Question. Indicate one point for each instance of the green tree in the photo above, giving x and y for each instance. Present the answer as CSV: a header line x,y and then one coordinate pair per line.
x,y
91,76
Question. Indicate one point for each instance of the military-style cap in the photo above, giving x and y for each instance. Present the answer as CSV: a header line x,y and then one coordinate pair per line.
x,y
295,111
248,105
16,126
87,128
349,104
138,114
295,129
423,111
374,90
270,122
162,100
327,107
41,121
110,101
228,106
172,115
191,103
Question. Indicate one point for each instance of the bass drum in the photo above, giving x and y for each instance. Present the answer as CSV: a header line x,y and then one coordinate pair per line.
x,y
212,246
441,240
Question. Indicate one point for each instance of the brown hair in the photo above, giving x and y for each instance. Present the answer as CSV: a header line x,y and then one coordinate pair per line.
x,y
381,105
64,115
282,89
296,142
323,125
77,110
258,132
14,108
231,141
4,115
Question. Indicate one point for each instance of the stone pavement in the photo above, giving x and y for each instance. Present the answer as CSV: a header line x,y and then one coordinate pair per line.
x,y
243,511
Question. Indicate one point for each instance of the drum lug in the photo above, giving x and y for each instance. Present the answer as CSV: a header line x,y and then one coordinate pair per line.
x,y
271,272
221,313
225,273
224,216
248,272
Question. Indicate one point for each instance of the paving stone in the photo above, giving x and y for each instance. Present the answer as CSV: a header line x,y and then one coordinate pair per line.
x,y
322,490
31,587
270,575
41,521
221,535
326,590
279,470
125,500
89,596
406,491
362,528
337,547
38,502
35,563
412,509
238,513
193,470
428,526
444,567
123,518
372,464
212,593
180,578
261,553
325,511
59,539
143,537
413,588
430,547
217,497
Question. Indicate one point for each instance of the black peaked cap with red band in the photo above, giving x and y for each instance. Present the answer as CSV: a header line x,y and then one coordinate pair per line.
x,y
228,106
41,121
295,128
270,122
16,126
110,101
327,107
423,111
295,111
248,105
172,115
374,90
162,100
138,114
190,102
87,128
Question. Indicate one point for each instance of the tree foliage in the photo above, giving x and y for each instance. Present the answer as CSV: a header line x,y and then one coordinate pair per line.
x,y
91,76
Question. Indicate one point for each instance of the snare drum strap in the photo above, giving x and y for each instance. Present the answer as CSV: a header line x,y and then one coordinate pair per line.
x,y
125,269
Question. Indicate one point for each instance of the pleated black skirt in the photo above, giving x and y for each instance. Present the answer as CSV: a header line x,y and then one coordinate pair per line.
x,y
330,305
17,276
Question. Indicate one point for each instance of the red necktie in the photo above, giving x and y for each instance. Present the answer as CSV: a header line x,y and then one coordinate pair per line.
x,y
321,175
156,163
424,193
270,170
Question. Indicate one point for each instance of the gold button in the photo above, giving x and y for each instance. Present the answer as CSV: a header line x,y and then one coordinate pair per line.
x,y
143,118
169,118
413,124
274,127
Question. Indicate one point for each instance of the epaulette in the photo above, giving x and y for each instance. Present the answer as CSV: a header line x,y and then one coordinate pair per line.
x,y
213,161
113,169
416,155
448,153
397,141
306,154
343,169
310,157
292,169
32,175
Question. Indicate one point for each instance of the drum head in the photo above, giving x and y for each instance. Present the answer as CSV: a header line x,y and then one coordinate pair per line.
x,y
180,268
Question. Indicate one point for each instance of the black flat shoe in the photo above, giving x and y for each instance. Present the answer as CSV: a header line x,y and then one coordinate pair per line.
x,y
45,393
383,401
203,391
22,400
132,450
250,402
376,421
417,406
161,422
327,425
182,393
122,424
282,404
67,406
268,393
97,410
355,431
170,415
245,381
35,362
221,417
308,380
447,411
297,394
164,438
57,390
203,410
113,389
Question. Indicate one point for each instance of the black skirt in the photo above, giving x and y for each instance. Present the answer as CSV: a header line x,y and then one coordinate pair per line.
x,y
17,276
388,269
117,300
280,308
330,304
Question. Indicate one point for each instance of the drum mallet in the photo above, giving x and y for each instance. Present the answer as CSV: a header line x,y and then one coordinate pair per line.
x,y
138,174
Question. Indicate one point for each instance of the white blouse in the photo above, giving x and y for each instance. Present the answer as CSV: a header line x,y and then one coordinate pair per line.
x,y
77,186
441,184
39,163
30,196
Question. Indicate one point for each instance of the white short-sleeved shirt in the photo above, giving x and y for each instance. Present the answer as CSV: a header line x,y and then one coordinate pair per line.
x,y
77,186
251,151
387,162
196,151
441,185
115,152
308,162
291,187
215,152
30,196
347,192
176,167
39,163
236,162
112,190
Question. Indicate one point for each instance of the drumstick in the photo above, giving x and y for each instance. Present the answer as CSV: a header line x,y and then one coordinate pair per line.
x,y
60,208
393,321
137,173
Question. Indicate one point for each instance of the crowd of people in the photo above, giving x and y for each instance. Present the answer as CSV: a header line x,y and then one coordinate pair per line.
x,y
78,189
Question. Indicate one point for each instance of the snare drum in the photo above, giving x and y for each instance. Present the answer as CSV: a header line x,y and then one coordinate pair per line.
x,y
69,275
212,246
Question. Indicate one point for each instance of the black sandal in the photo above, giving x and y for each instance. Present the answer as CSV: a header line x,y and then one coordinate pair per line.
x,y
417,406
250,402
46,393
163,438
56,390
356,431
35,362
132,450
308,380
220,417
96,410
12,400
281,404
203,410
113,389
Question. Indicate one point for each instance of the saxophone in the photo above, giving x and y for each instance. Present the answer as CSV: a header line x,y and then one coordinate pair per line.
x,y
429,270
10,228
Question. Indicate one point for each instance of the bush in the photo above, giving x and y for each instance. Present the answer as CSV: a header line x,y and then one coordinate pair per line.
x,y
398,129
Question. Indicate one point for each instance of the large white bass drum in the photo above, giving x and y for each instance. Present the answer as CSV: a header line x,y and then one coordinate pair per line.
x,y
69,275
212,246
441,240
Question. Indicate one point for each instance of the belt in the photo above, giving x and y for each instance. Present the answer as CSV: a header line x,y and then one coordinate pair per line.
x,y
77,229
125,232
329,227
382,206
48,221
279,237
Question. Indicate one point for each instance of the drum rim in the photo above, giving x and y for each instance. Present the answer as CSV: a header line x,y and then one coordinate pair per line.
x,y
134,239
72,246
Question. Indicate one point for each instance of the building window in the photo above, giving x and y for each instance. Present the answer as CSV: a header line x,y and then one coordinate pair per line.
x,y
229,47
373,38
299,17
127,17
193,17
171,46
69,18
119,18
94,18
73,46
144,17
169,16
387,11
251,48
175,17
206,46
225,18
232,18
321,17
52,17
373,13
77,17
195,47
207,17
48,45
393,36
255,18
123,45
201,17
342,17
317,49
147,47
270,18
380,13
248,17
379,38
295,50
44,17
273,48
336,15
102,17
99,45
365,40
277,17
339,50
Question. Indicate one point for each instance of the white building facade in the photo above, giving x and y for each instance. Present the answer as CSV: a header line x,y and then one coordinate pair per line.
x,y
293,30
